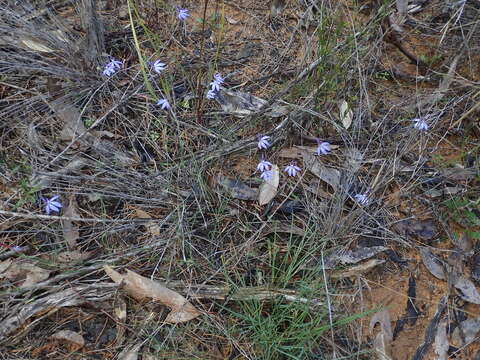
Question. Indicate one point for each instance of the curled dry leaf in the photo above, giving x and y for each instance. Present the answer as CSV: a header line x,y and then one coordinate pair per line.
x,y
70,336
4,265
352,256
278,227
470,329
120,314
329,175
466,289
346,115
70,230
140,288
151,226
236,189
242,104
23,273
357,270
72,257
432,263
130,353
269,188
382,342
423,229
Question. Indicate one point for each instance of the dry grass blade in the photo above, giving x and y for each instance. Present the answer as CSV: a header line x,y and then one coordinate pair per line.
x,y
142,288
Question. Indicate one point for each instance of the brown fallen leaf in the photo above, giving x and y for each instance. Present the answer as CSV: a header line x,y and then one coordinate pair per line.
x,y
70,230
4,265
470,329
466,289
351,256
141,287
269,188
72,257
278,227
382,341
346,115
236,189
24,273
120,313
130,353
152,227
327,174
432,263
70,336
356,270
423,229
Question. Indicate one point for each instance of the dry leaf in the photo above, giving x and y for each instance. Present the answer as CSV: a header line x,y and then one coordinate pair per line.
x,y
278,227
346,115
236,189
120,313
242,104
71,336
402,7
231,20
441,345
152,227
4,265
24,273
329,175
70,230
470,329
466,290
130,353
352,256
382,342
423,229
432,263
72,257
357,269
269,188
140,288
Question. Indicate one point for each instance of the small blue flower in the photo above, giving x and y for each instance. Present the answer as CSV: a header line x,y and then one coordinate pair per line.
x,y
266,175
323,148
164,104
263,142
183,14
420,124
292,169
362,199
158,66
264,165
218,78
51,204
212,94
215,86
112,67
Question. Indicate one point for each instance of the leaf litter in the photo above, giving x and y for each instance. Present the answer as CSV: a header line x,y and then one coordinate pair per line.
x,y
141,288
268,189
